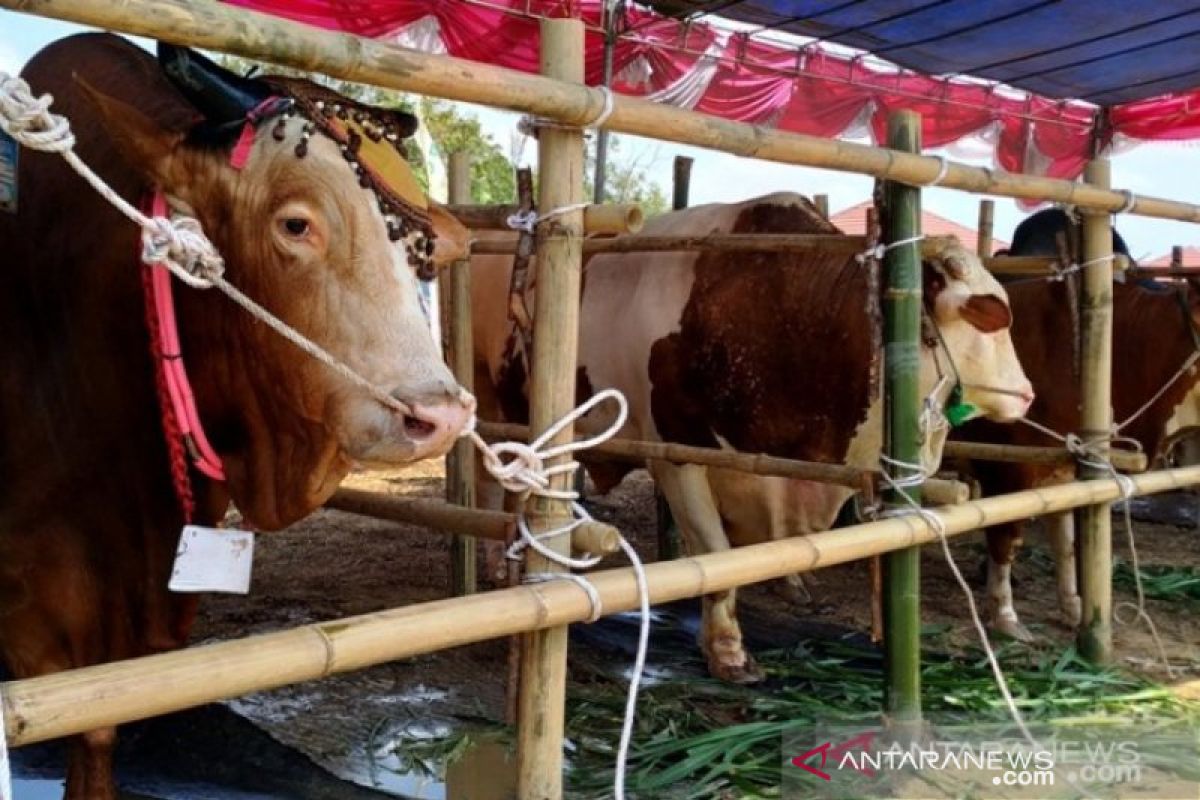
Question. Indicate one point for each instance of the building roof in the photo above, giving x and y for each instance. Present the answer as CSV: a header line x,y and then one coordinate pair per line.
x,y
1191,256
854,220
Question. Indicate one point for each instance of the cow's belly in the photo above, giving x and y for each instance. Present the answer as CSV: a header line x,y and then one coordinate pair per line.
x,y
757,509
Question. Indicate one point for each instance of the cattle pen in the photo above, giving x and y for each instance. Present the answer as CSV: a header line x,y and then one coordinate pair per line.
x,y
85,699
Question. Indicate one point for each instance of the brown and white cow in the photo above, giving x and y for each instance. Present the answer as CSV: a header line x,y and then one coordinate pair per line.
x,y
762,352
89,518
1154,332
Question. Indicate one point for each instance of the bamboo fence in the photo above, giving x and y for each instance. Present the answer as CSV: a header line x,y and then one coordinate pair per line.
x,y
65,703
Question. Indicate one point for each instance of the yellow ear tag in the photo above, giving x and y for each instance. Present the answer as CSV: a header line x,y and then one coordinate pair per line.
x,y
387,167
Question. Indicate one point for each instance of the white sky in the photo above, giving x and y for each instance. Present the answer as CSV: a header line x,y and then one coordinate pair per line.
x,y
1163,170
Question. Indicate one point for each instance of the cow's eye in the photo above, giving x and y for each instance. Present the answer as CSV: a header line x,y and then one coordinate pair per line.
x,y
296,227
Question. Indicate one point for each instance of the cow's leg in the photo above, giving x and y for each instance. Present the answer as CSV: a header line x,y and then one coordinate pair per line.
x,y
1003,541
690,496
1061,529
89,766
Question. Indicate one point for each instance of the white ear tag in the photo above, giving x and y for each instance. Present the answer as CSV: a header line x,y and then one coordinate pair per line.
x,y
213,560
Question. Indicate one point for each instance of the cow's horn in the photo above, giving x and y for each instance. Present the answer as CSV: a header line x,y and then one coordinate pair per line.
x,y
223,97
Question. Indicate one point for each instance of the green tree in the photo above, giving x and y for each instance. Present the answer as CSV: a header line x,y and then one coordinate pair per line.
x,y
626,179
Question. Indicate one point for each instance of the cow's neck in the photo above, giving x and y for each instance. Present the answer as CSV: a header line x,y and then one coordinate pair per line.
x,y
1146,369
867,443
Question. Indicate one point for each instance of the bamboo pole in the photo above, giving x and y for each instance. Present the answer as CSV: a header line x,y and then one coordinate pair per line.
x,y
223,27
71,702
902,430
821,201
604,218
1017,266
681,182
633,451
1094,523
987,213
592,536
721,242
541,704
460,463
1124,460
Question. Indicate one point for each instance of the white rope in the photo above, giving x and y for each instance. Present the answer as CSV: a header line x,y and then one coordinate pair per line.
x,y
943,168
916,477
527,473
1089,453
880,250
527,221
528,125
1129,204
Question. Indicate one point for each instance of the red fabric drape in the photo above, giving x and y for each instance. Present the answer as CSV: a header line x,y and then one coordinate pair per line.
x,y
816,92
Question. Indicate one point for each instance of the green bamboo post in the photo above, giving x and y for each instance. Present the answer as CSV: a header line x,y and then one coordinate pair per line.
x,y
1094,523
902,435
460,463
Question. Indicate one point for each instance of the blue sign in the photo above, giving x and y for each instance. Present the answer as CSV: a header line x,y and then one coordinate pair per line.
x,y
8,173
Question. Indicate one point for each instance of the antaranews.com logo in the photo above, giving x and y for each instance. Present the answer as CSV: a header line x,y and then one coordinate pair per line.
x,y
1124,760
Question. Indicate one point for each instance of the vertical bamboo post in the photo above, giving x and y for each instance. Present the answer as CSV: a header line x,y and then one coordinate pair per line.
x,y
821,201
681,182
541,706
902,434
984,237
1176,256
460,463
1094,523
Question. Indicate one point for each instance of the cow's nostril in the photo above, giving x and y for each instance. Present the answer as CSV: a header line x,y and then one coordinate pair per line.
x,y
417,428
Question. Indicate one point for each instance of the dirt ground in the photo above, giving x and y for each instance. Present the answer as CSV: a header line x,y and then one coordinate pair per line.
x,y
334,565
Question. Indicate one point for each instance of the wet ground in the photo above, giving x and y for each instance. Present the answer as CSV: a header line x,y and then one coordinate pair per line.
x,y
339,738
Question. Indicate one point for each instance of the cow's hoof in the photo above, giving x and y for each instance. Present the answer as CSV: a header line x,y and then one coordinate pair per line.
x,y
1072,610
747,671
1011,627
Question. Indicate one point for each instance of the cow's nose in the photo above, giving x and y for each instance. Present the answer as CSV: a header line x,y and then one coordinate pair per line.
x,y
434,427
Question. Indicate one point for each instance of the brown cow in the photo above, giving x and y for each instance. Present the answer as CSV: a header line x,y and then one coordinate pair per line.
x,y
1154,333
763,352
89,517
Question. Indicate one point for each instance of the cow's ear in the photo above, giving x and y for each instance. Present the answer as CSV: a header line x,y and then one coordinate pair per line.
x,y
452,241
986,312
145,143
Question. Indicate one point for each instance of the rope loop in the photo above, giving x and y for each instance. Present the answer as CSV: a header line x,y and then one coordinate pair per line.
x,y
28,120
527,221
1130,203
943,168
880,250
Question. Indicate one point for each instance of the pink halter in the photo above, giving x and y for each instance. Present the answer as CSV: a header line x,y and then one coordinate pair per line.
x,y
181,421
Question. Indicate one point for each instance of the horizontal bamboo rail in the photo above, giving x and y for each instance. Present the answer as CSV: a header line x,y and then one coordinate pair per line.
x,y
226,28
597,218
592,536
1037,265
849,244
716,242
1124,460
1184,271
37,709
632,451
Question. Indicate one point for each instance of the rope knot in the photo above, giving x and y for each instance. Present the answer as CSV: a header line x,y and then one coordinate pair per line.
x,y
182,247
28,120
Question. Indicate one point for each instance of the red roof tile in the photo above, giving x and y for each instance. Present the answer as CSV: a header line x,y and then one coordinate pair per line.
x,y
1191,257
854,220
